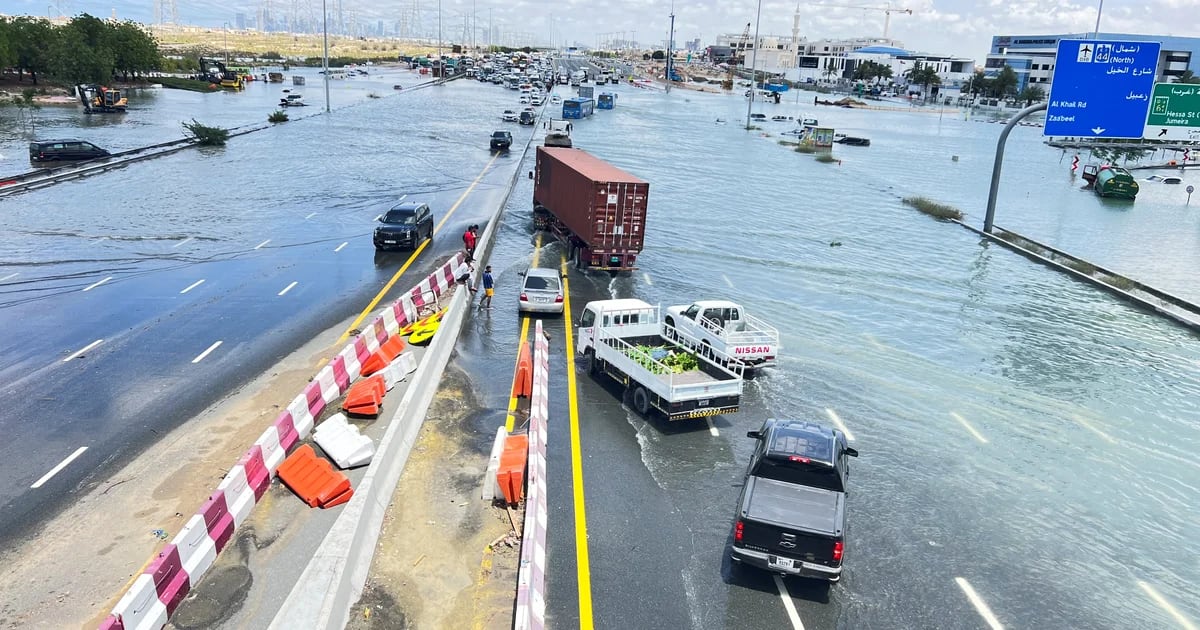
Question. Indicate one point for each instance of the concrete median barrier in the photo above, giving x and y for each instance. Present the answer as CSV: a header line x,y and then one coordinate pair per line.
x,y
530,613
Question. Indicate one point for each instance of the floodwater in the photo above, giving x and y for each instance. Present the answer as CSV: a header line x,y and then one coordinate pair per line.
x,y
1018,429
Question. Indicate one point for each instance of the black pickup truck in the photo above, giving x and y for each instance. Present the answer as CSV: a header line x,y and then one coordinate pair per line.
x,y
791,516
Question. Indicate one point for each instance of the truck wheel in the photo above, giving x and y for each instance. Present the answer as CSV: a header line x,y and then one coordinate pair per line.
x,y
641,401
593,366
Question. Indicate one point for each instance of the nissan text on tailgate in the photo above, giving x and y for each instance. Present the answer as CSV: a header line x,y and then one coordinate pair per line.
x,y
791,515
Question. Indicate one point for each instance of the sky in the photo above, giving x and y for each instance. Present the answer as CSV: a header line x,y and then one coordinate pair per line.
x,y
952,27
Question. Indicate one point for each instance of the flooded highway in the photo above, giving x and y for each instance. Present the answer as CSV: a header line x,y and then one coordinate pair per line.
x,y
1026,439
1023,435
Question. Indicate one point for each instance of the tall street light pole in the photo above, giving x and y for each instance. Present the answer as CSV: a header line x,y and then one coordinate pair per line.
x,y
325,58
226,25
753,64
1099,10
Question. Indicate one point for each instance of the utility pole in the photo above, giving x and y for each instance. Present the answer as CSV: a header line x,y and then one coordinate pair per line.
x,y
1099,10
441,62
753,65
489,38
670,54
474,25
325,59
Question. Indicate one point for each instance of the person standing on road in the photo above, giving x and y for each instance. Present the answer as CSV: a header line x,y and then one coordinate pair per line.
x,y
469,241
488,288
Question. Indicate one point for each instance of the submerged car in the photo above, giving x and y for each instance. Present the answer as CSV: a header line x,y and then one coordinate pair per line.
x,y
541,292
405,225
56,150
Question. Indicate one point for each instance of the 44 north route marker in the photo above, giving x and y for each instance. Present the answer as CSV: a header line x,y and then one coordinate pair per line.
x,y
1174,112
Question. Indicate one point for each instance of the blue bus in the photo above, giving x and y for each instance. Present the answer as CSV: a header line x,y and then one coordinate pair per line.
x,y
577,107
607,100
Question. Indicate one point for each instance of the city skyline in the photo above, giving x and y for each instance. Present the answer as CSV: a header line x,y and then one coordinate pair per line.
x,y
957,27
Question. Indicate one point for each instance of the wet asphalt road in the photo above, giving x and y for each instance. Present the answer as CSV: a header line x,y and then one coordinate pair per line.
x,y
168,257
1019,430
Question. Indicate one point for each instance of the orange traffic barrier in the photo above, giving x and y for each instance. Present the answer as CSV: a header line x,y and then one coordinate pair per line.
x,y
511,474
365,397
383,356
313,479
523,379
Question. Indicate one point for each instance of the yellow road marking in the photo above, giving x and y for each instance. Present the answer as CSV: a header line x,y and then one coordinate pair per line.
x,y
581,538
437,228
511,422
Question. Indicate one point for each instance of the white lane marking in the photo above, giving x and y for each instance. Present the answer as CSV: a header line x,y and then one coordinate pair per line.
x,y
192,286
1162,602
57,469
259,246
78,353
967,425
837,422
979,604
727,280
339,247
205,353
647,276
289,287
788,604
379,217
310,215
96,284
712,428
1087,425
9,276
186,240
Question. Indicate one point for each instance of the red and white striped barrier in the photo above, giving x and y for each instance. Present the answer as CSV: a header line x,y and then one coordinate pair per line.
x,y
153,596
531,576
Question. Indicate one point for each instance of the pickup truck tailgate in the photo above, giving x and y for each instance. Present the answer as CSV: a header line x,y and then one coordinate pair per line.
x,y
800,507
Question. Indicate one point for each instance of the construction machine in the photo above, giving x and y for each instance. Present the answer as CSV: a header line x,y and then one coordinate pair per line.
x,y
736,56
98,99
215,72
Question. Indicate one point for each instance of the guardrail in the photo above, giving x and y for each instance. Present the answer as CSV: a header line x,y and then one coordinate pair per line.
x,y
531,574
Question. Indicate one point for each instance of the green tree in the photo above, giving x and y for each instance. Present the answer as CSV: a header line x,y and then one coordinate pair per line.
x,y
870,71
82,51
30,38
134,49
8,55
977,84
1189,77
658,55
1032,94
1005,83
923,75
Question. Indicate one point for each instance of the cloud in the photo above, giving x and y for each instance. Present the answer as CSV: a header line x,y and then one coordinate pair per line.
x,y
958,27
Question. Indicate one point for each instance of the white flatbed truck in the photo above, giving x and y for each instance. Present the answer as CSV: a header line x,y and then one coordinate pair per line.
x,y
625,340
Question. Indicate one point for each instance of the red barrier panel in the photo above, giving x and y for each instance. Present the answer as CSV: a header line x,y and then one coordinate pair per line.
x,y
257,475
286,428
217,519
170,580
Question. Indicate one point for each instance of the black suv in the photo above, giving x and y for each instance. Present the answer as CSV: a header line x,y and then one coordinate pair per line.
x,y
405,225
501,140
528,118
54,150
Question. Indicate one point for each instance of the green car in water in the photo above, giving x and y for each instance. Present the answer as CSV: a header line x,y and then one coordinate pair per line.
x,y
1111,181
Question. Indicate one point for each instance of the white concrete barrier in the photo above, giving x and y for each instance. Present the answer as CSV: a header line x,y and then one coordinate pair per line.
x,y
342,442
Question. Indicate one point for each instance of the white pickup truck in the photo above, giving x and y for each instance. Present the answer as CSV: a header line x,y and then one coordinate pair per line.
x,y
624,339
724,327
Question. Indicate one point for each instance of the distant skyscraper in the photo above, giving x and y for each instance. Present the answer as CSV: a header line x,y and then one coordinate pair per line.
x,y
240,20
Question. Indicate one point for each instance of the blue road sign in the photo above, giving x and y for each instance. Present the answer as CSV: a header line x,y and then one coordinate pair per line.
x,y
1101,89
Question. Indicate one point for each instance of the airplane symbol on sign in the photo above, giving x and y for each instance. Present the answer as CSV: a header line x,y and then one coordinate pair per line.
x,y
1085,54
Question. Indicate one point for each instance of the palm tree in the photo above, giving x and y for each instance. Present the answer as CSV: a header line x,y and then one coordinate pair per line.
x,y
1032,94
923,76
1005,83
1189,77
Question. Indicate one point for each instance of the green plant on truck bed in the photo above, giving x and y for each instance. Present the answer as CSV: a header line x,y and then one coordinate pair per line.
x,y
675,361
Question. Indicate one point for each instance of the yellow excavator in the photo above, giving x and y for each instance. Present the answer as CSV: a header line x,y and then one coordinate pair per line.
x,y
98,99
737,56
